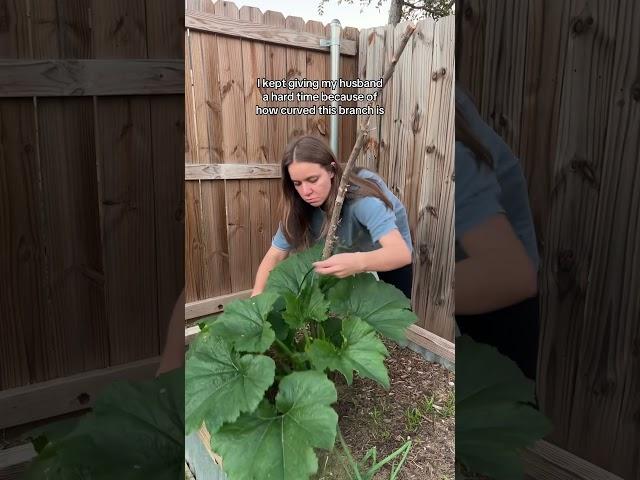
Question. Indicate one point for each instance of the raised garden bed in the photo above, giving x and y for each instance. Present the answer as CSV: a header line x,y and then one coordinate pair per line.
x,y
419,406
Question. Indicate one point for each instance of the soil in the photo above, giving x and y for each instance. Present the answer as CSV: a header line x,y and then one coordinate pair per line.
x,y
420,406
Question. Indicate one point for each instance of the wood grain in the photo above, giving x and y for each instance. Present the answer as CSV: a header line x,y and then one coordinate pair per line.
x,y
276,67
24,404
231,171
545,460
257,140
60,78
22,303
212,305
198,20
167,141
210,251
234,150
564,101
126,164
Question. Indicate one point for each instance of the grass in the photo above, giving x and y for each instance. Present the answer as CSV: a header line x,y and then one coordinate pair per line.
x,y
449,409
428,408
413,418
378,415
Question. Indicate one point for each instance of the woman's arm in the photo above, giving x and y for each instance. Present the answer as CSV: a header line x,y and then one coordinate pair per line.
x,y
393,254
271,259
497,273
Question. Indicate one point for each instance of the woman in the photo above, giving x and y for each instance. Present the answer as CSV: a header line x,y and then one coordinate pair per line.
x,y
373,231
496,252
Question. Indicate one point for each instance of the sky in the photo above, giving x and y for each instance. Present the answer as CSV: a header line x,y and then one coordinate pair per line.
x,y
348,14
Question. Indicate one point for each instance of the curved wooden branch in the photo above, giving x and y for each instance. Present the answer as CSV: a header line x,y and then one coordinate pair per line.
x,y
363,135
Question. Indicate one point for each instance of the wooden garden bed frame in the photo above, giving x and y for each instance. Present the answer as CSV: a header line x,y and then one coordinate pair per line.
x,y
541,461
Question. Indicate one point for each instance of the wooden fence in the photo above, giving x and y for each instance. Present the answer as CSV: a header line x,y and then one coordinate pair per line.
x,y
411,147
91,196
232,154
558,80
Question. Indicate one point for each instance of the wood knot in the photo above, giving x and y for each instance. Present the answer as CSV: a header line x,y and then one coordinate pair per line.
x,y
434,76
566,260
635,92
179,214
431,148
468,12
579,26
443,72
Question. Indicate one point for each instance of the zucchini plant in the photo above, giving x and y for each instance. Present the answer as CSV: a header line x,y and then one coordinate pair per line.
x,y
257,376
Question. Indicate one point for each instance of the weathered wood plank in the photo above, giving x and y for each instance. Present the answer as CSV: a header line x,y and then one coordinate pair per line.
x,y
383,164
434,232
347,123
269,33
76,309
296,69
420,175
276,67
545,460
14,461
316,70
167,140
60,78
74,392
126,165
432,342
22,302
257,135
210,253
374,39
231,171
212,305
234,150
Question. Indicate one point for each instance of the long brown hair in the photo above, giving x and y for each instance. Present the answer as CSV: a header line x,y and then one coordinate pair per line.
x,y
296,213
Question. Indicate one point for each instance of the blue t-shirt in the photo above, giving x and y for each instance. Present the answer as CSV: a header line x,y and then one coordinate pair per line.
x,y
363,221
482,192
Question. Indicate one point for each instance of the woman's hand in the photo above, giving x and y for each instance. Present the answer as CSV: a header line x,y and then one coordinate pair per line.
x,y
341,265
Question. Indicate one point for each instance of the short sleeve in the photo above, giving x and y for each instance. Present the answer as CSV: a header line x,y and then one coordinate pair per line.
x,y
477,191
375,216
279,241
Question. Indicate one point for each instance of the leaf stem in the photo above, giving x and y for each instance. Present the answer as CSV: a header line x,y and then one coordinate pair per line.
x,y
347,451
284,348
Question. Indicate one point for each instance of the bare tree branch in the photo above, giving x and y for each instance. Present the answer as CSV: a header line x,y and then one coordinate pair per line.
x,y
363,134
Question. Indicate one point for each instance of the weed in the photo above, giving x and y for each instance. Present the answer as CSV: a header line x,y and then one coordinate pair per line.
x,y
413,417
449,409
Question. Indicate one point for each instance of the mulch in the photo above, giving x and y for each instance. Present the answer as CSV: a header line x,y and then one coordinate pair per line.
x,y
419,407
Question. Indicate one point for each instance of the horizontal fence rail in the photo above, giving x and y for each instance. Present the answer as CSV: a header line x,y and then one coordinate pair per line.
x,y
263,32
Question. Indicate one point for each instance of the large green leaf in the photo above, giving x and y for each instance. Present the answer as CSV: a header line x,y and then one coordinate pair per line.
x,y
135,432
220,384
277,442
245,324
361,351
288,275
381,305
495,418
310,305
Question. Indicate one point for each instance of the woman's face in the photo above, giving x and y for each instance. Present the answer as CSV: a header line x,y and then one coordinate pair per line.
x,y
312,182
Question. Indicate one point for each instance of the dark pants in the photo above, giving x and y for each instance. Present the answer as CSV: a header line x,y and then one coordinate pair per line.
x,y
401,278
513,330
